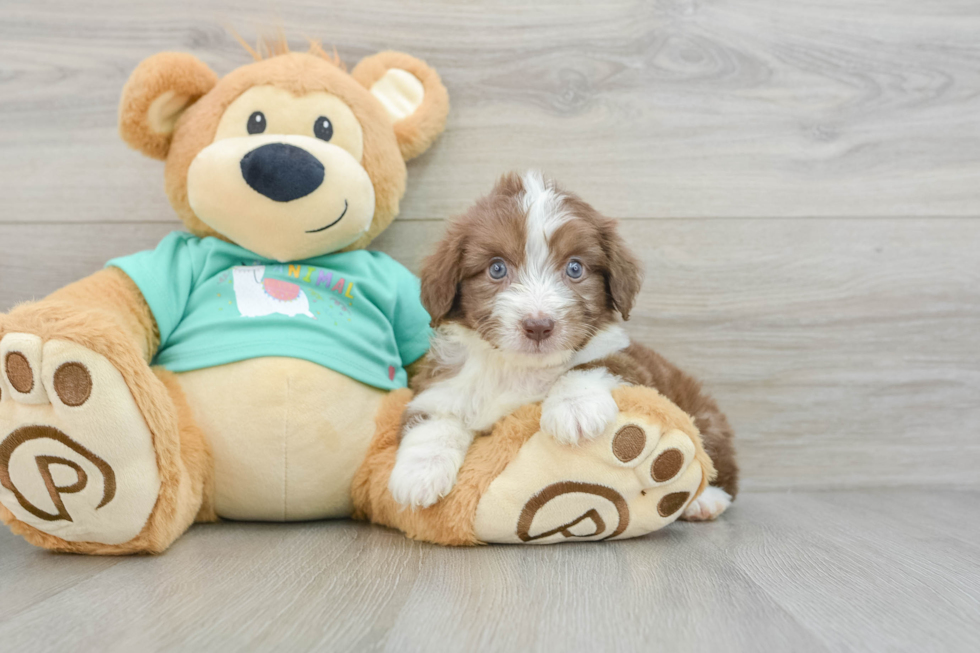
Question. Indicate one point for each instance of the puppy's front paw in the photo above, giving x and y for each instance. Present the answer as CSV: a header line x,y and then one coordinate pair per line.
x,y
423,474
572,417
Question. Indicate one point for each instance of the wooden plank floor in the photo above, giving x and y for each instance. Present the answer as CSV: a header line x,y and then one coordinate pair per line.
x,y
790,571
800,180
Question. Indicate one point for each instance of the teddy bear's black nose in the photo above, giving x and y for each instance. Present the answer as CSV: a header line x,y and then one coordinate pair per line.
x,y
282,172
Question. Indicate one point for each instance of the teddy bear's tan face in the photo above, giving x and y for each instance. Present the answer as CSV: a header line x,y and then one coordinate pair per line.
x,y
290,157
284,176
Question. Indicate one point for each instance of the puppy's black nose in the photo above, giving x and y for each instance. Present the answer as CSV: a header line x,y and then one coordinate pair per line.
x,y
282,172
538,328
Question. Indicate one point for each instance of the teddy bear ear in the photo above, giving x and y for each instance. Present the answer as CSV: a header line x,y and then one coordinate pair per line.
x,y
412,94
157,93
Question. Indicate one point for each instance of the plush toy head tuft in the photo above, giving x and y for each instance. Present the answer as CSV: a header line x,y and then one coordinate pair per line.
x,y
290,157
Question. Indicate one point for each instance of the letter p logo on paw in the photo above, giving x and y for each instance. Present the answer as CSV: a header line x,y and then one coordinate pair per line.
x,y
46,474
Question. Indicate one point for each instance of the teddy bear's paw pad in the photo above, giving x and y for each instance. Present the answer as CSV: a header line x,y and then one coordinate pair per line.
x,y
76,455
633,479
654,458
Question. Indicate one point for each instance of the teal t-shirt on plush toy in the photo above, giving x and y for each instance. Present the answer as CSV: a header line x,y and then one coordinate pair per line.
x,y
357,313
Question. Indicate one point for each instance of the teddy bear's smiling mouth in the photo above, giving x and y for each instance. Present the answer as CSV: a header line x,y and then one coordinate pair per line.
x,y
342,214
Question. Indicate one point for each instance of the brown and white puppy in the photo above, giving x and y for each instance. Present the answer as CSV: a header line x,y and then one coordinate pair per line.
x,y
526,291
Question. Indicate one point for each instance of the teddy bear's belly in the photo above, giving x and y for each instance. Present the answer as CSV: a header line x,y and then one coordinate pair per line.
x,y
287,436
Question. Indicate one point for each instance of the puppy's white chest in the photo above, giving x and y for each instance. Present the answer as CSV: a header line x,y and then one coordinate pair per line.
x,y
480,395
497,393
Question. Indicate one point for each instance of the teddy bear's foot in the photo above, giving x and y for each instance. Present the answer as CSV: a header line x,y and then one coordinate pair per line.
x,y
77,460
521,485
637,477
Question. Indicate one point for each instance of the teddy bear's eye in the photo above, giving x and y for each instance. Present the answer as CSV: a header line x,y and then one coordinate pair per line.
x,y
323,128
256,123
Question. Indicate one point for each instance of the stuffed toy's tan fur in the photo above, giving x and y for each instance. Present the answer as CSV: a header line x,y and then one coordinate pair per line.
x,y
417,132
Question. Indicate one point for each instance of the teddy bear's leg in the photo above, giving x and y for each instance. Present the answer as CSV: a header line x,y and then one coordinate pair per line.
x,y
520,485
98,453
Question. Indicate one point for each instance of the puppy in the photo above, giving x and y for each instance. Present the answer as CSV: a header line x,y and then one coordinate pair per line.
x,y
526,291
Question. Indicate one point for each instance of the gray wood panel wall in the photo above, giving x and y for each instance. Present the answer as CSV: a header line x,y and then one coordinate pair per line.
x,y
801,180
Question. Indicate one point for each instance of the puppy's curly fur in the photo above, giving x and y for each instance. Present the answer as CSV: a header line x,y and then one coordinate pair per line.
x,y
526,291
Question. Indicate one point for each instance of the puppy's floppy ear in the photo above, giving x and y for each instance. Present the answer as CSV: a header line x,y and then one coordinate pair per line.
x,y
442,273
157,93
412,94
624,276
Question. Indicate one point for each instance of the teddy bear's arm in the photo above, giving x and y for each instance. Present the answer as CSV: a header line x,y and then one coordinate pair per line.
x,y
111,291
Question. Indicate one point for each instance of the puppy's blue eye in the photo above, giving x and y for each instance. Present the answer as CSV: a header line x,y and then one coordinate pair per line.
x,y
574,269
497,269
256,123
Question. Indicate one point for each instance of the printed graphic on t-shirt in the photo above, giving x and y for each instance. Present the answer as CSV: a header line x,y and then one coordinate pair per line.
x,y
257,296
295,290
